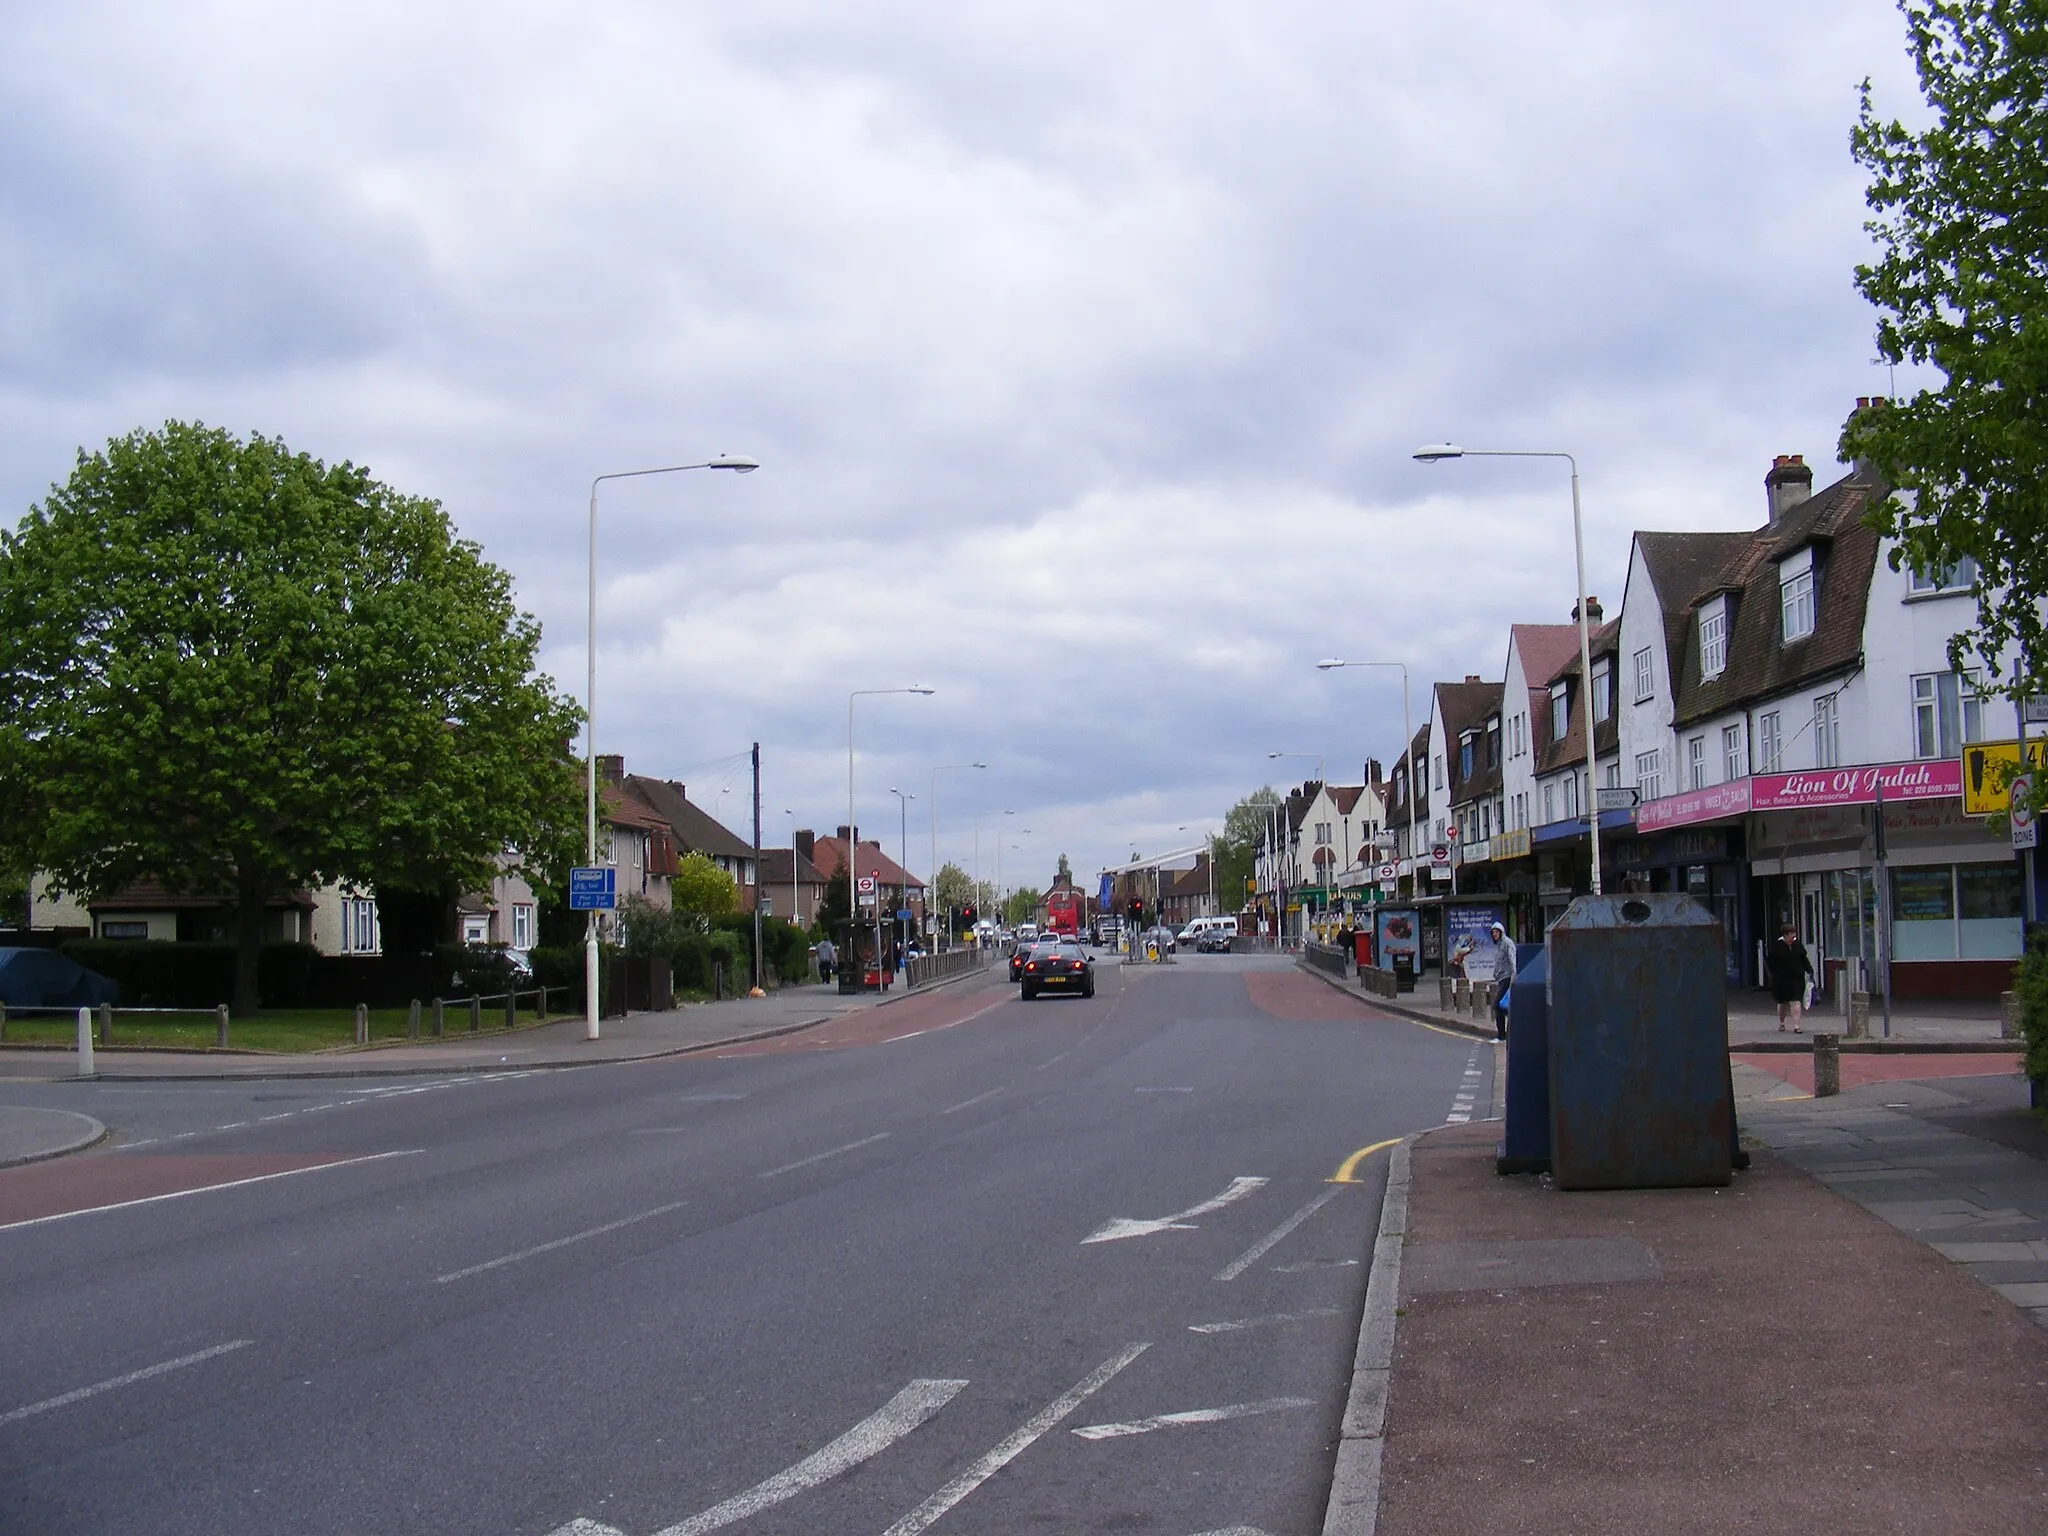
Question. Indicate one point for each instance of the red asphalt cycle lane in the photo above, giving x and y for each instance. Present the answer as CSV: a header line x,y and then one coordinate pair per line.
x,y
1859,1068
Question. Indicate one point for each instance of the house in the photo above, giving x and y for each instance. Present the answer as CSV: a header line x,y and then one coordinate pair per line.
x,y
895,884
693,830
791,885
1559,841
1465,769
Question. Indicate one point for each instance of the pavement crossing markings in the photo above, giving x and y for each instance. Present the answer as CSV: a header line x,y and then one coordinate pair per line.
x,y
1014,1444
560,1242
66,1399
906,1411
1119,1227
1264,1245
1193,1416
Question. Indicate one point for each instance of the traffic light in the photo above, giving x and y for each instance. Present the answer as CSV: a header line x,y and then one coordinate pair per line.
x,y
1137,912
967,915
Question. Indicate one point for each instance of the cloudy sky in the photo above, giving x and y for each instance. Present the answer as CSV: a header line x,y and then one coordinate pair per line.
x,y
1084,345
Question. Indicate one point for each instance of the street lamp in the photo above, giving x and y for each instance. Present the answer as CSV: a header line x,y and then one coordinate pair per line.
x,y
1437,452
853,827
738,464
792,862
1408,759
903,846
942,768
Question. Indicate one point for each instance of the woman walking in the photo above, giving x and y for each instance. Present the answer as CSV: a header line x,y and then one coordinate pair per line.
x,y
1788,970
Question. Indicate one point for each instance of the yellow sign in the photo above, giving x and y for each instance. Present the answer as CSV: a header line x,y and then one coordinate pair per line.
x,y
1988,767
1511,845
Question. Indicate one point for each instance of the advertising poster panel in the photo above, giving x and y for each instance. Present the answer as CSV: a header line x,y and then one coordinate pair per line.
x,y
1398,933
1469,929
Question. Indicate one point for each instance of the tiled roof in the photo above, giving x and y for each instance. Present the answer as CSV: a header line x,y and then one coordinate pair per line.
x,y
1571,747
1544,648
1465,707
829,855
695,831
1760,664
775,868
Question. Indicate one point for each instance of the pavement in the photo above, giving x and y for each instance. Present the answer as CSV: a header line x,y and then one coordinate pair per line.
x,y
1850,1337
32,1135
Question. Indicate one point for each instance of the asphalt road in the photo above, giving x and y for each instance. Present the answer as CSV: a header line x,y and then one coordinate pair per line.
x,y
965,1264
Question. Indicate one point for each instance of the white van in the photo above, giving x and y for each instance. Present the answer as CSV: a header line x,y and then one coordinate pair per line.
x,y
1193,932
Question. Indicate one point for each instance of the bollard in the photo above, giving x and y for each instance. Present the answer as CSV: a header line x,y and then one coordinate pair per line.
x,y
1859,1016
362,1023
1443,993
1461,992
1827,1066
718,980
106,1023
511,1010
412,1020
2008,1016
440,1008
220,1026
476,1013
85,1042
543,1005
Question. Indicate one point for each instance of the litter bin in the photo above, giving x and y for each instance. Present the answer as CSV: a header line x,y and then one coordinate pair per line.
x,y
1404,973
1525,1139
1640,1093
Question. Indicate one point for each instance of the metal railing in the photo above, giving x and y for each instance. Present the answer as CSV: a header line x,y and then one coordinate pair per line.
x,y
923,970
1327,957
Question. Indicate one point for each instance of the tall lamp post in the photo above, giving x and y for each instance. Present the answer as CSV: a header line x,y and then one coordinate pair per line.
x,y
942,768
903,849
1436,453
999,869
853,827
792,863
1408,759
738,464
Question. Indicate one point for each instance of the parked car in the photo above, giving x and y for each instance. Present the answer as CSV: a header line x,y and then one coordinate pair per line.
x,y
1061,965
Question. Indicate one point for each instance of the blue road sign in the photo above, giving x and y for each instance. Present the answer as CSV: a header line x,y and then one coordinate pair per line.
x,y
593,890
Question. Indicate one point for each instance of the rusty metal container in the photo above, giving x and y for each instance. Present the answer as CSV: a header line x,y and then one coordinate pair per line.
x,y
1640,1094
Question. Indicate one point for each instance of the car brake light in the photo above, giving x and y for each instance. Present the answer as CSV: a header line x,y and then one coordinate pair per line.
x,y
1031,965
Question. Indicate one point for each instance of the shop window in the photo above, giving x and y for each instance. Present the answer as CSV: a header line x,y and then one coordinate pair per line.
x,y
1988,911
1924,913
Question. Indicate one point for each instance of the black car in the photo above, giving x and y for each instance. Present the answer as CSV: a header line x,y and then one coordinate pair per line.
x,y
1019,953
1060,966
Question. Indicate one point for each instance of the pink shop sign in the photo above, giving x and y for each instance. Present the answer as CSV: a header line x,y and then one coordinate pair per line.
x,y
1709,804
1935,779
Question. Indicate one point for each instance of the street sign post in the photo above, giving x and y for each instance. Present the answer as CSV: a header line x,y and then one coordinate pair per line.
x,y
864,887
593,888
1615,799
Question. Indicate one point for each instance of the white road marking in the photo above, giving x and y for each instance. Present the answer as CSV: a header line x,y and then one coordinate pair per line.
x,y
207,1189
970,1103
1014,1444
1235,1530
560,1242
709,1098
1063,1055
1308,1264
1270,1320
904,1412
1258,1250
819,1157
1118,1227
65,1400
1192,1416
1162,1090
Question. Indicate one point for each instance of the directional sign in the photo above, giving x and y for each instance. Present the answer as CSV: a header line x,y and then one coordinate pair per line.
x,y
1615,799
2024,829
593,889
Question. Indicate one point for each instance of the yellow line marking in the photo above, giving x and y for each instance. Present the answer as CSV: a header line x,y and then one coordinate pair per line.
x,y
1350,1164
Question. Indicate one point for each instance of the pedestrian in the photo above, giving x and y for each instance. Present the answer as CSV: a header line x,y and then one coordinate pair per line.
x,y
827,958
1787,968
1503,978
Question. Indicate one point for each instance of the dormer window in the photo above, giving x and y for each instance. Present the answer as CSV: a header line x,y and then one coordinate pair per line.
x,y
1560,710
1714,636
1795,595
1603,692
1465,745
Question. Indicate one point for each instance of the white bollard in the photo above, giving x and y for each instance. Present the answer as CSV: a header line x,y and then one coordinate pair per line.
x,y
85,1042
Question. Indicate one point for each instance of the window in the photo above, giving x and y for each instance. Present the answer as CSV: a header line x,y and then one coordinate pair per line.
x,y
1560,710
1493,743
1603,692
358,926
1714,638
1323,834
1696,763
1549,801
1795,595
1439,773
1827,733
1465,745
522,927
1614,774
476,928
1959,577
1732,765
1649,775
1645,685
1571,796
1947,713
1769,743
124,928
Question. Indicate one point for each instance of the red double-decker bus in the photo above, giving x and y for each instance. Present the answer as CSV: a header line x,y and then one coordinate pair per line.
x,y
1063,911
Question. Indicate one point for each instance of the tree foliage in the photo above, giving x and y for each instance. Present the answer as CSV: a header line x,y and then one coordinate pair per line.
x,y
1234,850
1064,874
1021,906
700,890
1961,282
951,887
235,669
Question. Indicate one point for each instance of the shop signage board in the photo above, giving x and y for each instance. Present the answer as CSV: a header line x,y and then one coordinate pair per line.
x,y
1510,845
1985,767
1935,779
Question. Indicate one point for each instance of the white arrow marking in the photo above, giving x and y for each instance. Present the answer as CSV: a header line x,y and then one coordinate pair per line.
x,y
1124,1226
1192,1416
1271,1319
904,1412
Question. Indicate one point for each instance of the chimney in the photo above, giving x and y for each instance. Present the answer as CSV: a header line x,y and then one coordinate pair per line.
x,y
611,769
1472,677
806,843
1593,614
1789,482
1864,469
1373,772
845,834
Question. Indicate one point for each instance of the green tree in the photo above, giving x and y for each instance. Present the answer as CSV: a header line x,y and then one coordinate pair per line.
x,y
951,887
1235,849
1064,875
1961,282
699,889
235,669
1022,905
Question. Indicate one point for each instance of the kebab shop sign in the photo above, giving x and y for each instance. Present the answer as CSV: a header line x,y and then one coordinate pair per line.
x,y
1935,779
